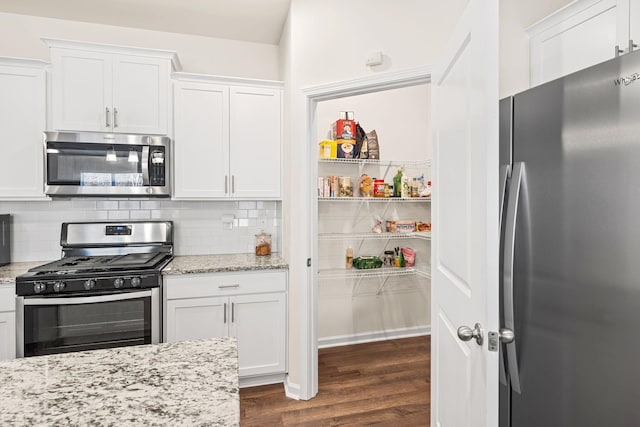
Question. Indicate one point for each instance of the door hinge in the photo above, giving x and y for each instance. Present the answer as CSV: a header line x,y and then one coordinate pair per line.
x,y
308,262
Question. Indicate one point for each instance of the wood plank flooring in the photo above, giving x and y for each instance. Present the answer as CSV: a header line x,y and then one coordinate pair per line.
x,y
383,383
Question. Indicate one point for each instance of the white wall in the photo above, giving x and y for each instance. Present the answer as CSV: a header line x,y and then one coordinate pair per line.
x,y
515,17
400,118
20,37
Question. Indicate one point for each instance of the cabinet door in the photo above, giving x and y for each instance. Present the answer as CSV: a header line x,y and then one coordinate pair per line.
x,y
22,120
81,91
7,335
574,38
259,323
201,146
140,94
198,318
255,143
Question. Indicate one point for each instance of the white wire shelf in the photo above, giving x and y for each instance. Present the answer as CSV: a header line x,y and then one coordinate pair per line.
x,y
374,236
408,163
354,273
376,199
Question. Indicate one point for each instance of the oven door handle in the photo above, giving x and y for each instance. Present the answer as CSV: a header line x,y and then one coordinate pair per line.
x,y
86,300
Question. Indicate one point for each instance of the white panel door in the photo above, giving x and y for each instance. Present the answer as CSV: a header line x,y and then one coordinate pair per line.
x,y
81,90
140,94
197,318
22,120
201,145
465,221
255,148
259,323
7,335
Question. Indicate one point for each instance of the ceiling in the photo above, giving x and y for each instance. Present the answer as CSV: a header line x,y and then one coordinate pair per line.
x,y
259,21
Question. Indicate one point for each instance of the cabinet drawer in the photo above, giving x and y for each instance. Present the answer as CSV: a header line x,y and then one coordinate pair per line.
x,y
220,284
7,297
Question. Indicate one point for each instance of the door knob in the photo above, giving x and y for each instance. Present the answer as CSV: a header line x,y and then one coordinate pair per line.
x,y
465,333
506,335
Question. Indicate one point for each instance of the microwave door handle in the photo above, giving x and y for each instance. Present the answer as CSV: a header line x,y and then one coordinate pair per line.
x,y
86,300
508,273
145,165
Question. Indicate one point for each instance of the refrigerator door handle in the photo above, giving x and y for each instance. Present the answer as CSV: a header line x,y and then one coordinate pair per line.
x,y
508,259
505,173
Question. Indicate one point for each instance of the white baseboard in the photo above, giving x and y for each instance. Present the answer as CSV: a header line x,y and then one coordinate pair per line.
x,y
291,390
373,336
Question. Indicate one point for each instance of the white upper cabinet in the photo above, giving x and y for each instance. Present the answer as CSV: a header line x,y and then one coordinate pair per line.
x,y
583,33
228,138
255,130
201,155
22,121
101,88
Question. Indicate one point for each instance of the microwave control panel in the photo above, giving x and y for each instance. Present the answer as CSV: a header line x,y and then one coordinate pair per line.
x,y
157,167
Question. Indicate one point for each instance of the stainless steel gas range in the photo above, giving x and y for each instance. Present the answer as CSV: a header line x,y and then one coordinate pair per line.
x,y
104,292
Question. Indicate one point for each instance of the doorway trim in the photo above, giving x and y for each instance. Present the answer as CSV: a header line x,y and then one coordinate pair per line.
x,y
308,295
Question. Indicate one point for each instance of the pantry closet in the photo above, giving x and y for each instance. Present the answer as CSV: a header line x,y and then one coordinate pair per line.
x,y
361,305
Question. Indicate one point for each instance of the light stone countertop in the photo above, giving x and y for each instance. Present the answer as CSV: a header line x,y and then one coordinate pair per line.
x,y
193,264
190,383
9,272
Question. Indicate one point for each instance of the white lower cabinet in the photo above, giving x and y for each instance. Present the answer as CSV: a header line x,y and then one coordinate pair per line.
x,y
7,322
251,306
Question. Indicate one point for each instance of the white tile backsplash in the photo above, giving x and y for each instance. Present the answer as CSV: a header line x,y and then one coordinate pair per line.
x,y
197,224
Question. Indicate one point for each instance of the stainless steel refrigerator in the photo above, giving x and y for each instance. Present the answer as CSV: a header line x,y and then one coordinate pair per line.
x,y
570,245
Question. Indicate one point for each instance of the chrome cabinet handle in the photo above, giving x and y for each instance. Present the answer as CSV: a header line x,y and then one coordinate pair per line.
x,y
465,333
233,312
107,123
508,261
115,117
233,184
228,286
225,313
226,184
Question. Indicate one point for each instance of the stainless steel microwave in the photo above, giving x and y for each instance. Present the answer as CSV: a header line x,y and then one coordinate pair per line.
x,y
105,164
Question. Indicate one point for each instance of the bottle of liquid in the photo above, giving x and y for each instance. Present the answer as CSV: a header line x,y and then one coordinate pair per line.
x,y
414,188
349,263
397,184
406,189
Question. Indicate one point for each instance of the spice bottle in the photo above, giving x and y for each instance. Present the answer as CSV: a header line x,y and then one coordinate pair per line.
x,y
349,263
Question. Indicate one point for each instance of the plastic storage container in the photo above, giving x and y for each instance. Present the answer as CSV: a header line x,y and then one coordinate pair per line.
x,y
263,244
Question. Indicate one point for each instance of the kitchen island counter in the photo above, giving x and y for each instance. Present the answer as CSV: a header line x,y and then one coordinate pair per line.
x,y
197,264
191,383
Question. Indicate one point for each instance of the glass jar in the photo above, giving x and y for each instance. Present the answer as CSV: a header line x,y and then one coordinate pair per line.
x,y
263,244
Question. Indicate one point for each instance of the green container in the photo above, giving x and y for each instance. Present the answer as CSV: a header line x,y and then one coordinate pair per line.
x,y
366,262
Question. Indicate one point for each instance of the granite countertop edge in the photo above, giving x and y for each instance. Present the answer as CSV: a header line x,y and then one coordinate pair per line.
x,y
221,263
181,264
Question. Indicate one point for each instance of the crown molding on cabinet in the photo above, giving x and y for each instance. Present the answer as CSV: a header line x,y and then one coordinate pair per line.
x,y
23,62
232,81
563,14
115,49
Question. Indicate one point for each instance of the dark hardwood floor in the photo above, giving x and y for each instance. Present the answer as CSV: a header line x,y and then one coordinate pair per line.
x,y
383,383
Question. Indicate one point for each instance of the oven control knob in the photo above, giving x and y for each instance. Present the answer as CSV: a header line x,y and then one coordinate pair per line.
x,y
39,287
118,283
58,286
135,282
89,284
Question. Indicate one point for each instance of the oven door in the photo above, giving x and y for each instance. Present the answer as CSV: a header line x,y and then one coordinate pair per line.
x,y
51,325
